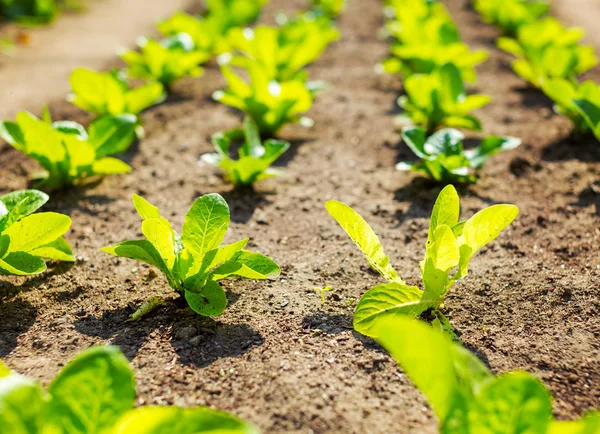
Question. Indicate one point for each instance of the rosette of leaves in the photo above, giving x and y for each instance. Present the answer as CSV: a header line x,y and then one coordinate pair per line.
x,y
450,246
545,49
254,158
26,239
165,61
440,99
511,15
70,155
95,393
443,157
271,104
464,395
194,262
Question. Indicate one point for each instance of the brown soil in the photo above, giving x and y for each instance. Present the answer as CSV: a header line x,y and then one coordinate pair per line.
x,y
531,301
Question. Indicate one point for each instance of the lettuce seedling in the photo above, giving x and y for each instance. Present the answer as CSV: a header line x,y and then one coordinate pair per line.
x,y
68,153
107,93
255,158
165,61
450,246
26,238
194,263
95,393
282,51
564,92
209,32
29,12
443,157
329,8
440,99
545,49
464,395
270,103
511,15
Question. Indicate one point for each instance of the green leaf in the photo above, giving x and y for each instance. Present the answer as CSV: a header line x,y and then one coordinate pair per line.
x,y
364,237
144,208
23,408
160,234
21,264
248,265
390,298
58,250
489,146
446,211
92,392
19,204
37,230
110,166
205,224
442,256
210,301
112,134
591,114
140,250
171,420
4,371
514,402
589,424
140,98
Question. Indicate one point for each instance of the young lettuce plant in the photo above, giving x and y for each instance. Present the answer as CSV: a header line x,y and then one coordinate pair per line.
x,y
511,15
255,158
464,395
68,153
165,61
283,51
194,263
545,49
26,238
107,93
443,157
450,246
271,104
95,393
564,92
440,99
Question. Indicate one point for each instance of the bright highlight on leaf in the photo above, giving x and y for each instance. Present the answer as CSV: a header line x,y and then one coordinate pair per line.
x,y
27,238
95,393
450,246
195,262
68,154
443,157
464,394
255,158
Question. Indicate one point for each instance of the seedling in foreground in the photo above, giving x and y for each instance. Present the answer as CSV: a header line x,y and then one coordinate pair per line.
x,y
511,15
465,396
443,157
565,92
440,99
95,393
450,246
322,291
69,154
271,104
194,263
255,158
107,93
165,61
26,238
546,49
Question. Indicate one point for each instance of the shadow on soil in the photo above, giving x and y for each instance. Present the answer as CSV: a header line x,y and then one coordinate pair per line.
x,y
17,317
244,202
573,147
199,341
589,196
9,290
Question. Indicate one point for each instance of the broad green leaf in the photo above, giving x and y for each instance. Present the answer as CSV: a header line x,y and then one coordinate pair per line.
x,y
442,255
140,98
21,264
482,228
591,114
92,392
140,250
364,237
23,407
20,204
112,134
205,224
217,257
589,424
390,298
58,250
4,371
110,166
211,301
37,230
512,403
160,234
446,211
171,420
144,208
248,265
12,133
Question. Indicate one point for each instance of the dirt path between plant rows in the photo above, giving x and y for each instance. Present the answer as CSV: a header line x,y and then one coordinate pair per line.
x,y
531,300
39,72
